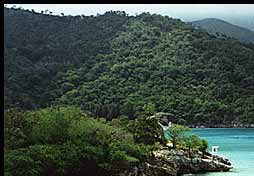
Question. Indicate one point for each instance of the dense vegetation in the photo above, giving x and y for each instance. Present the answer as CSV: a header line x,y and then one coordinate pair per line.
x,y
113,64
219,27
66,141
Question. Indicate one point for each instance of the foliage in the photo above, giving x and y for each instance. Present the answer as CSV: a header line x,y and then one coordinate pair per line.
x,y
193,142
114,64
203,146
17,162
61,140
15,128
146,130
149,109
65,141
177,134
51,125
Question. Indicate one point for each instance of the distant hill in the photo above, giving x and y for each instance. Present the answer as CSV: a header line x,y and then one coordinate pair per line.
x,y
114,64
243,21
219,27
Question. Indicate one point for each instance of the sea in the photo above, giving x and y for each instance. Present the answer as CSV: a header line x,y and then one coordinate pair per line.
x,y
237,144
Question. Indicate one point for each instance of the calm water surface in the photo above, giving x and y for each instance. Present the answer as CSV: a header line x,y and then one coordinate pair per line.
x,y
236,144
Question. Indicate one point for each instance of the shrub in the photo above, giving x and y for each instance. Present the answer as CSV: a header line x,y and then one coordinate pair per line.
x,y
62,141
14,129
51,125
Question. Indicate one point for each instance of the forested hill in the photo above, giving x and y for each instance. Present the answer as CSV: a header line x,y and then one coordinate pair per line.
x,y
113,64
220,27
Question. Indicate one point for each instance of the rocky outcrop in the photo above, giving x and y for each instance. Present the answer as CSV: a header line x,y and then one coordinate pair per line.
x,y
159,168
197,162
154,167
167,162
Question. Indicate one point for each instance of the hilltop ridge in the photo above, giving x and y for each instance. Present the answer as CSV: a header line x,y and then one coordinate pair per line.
x,y
113,64
220,27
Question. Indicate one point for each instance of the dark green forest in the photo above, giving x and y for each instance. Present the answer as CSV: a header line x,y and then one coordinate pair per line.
x,y
65,141
112,64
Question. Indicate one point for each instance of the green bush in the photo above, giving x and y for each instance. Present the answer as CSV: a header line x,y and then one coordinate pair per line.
x,y
146,130
203,145
14,129
193,142
51,125
61,139
18,162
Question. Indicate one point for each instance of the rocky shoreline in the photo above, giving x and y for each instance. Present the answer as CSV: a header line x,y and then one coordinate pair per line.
x,y
174,162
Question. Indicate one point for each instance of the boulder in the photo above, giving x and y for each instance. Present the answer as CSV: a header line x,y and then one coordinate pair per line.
x,y
151,169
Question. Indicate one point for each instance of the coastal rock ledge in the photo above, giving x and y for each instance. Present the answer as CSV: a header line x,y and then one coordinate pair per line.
x,y
167,162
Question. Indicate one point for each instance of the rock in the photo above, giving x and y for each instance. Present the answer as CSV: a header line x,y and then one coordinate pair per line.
x,y
198,163
155,166
158,168
130,172
165,162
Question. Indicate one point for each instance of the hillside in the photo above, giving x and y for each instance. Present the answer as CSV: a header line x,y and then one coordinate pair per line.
x,y
220,27
113,64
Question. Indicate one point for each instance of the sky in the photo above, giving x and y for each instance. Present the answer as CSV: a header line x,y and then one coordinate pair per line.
x,y
239,14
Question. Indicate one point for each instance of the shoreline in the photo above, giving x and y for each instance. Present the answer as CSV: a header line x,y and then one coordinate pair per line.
x,y
222,126
229,142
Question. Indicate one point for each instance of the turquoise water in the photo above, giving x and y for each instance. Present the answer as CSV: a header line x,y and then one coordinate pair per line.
x,y
236,144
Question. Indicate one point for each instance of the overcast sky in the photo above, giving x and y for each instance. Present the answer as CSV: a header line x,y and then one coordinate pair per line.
x,y
234,13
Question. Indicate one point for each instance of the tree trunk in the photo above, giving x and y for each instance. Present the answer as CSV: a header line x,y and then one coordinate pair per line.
x,y
174,143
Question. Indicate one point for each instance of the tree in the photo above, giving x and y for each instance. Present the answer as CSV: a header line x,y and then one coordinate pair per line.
x,y
192,142
146,130
65,141
14,128
204,145
149,109
114,61
177,133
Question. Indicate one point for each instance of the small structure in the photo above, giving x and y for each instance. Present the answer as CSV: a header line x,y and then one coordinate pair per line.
x,y
165,127
163,118
215,149
166,130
